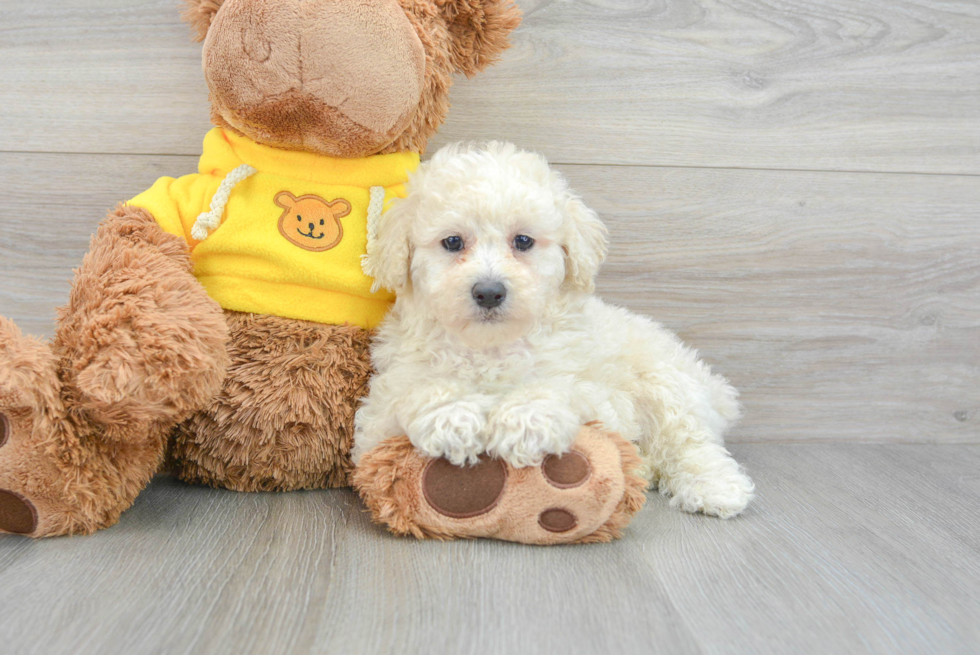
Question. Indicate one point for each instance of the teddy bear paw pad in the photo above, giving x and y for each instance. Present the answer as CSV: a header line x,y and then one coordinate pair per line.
x,y
17,514
30,482
4,429
464,491
566,471
557,520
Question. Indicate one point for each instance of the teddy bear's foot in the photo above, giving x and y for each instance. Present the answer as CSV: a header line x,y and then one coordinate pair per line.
x,y
87,418
29,406
42,495
587,495
57,474
39,497
18,513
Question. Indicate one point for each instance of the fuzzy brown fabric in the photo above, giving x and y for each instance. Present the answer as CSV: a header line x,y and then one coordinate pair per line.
x,y
266,91
199,14
139,347
341,78
478,32
139,342
449,50
633,500
145,366
284,418
530,510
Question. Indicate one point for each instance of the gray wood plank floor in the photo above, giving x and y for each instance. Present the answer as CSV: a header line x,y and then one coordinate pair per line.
x,y
849,549
792,185
879,85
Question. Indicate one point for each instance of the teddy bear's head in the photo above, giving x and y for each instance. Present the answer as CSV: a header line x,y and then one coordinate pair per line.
x,y
345,78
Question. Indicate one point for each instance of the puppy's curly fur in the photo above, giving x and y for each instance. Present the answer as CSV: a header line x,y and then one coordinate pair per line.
x,y
517,376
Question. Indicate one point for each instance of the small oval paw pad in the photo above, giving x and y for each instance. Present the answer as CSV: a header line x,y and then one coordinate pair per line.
x,y
557,520
566,471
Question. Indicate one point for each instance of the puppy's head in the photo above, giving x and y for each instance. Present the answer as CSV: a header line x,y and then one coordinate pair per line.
x,y
488,239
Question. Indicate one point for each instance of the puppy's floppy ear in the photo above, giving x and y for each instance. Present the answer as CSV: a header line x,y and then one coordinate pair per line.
x,y
389,252
479,31
585,243
199,14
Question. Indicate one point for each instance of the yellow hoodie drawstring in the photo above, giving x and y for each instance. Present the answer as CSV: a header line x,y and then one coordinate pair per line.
x,y
210,220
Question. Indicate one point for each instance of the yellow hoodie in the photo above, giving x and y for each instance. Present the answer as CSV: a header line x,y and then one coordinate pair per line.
x,y
281,232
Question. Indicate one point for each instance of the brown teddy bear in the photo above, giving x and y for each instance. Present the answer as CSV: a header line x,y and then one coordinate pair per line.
x,y
220,321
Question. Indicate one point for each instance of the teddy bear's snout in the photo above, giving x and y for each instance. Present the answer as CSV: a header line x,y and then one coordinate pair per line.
x,y
336,69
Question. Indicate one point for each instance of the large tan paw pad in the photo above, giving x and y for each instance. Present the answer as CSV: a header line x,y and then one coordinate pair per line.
x,y
463,492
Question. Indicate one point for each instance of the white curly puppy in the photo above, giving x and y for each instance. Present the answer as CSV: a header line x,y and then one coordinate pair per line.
x,y
496,343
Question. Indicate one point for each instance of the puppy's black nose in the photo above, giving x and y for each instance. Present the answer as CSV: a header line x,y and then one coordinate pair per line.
x,y
489,294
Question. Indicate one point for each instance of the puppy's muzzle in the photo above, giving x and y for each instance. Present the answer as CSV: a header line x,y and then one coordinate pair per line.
x,y
489,294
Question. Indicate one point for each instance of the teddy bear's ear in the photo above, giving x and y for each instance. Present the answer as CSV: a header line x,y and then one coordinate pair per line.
x,y
199,14
479,31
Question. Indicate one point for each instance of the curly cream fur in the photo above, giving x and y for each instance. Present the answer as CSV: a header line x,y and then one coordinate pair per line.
x,y
519,380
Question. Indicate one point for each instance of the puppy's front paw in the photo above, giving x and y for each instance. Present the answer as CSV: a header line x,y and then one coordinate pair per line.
x,y
453,431
523,433
722,494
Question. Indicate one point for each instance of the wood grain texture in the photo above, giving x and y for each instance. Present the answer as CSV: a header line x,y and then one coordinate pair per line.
x,y
849,548
843,306
50,206
790,84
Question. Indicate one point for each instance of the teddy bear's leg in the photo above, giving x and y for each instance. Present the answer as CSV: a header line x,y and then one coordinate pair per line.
x,y
284,418
84,421
587,495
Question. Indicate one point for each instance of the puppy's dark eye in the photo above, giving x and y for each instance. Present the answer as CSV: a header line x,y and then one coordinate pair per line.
x,y
321,221
523,242
452,244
